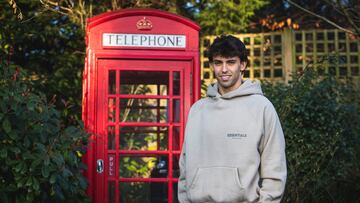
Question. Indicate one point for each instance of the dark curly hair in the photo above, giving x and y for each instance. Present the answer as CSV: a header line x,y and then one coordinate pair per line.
x,y
227,46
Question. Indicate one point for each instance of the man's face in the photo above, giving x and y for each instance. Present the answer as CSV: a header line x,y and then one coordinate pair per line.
x,y
228,72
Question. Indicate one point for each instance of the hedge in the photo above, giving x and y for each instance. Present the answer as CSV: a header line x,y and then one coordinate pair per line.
x,y
40,157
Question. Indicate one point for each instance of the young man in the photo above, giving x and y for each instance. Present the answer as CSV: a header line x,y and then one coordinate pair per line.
x,y
234,148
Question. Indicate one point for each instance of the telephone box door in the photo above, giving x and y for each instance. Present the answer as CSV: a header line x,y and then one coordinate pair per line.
x,y
141,106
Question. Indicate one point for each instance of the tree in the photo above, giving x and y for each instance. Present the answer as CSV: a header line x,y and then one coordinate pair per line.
x,y
51,48
307,14
214,16
348,10
230,16
79,11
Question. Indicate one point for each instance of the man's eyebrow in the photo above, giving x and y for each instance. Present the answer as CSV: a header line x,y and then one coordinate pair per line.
x,y
224,61
230,61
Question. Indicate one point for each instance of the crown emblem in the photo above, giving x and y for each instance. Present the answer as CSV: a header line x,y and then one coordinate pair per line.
x,y
144,24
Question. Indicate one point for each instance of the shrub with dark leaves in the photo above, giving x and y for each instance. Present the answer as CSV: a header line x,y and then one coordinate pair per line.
x,y
321,121
40,157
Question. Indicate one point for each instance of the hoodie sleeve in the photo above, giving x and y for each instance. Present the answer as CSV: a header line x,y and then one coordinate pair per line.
x,y
182,181
273,162
182,186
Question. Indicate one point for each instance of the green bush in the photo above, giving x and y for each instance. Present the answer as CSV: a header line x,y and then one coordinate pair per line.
x,y
321,123
40,157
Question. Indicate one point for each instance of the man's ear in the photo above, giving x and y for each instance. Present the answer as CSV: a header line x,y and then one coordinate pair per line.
x,y
243,66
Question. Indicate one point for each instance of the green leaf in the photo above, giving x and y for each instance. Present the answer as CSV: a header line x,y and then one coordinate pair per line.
x,y
35,185
29,181
27,155
19,167
20,183
40,147
67,172
35,163
132,168
3,153
82,182
59,193
12,134
46,160
45,171
6,125
58,159
16,150
53,178
26,142
30,105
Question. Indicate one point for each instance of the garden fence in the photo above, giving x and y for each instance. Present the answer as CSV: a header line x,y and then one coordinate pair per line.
x,y
274,56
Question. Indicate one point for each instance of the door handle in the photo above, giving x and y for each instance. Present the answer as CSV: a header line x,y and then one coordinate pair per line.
x,y
100,166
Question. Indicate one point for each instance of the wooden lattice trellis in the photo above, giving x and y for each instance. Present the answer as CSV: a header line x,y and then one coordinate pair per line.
x,y
275,56
316,45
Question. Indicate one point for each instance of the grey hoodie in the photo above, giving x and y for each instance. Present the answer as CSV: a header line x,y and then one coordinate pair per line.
x,y
234,149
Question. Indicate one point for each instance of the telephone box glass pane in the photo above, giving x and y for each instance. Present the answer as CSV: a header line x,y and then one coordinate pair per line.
x,y
111,192
136,166
176,110
176,138
144,82
143,192
111,109
111,137
144,110
143,138
176,83
112,82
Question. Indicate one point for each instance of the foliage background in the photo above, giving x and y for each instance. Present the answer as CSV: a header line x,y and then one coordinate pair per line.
x,y
321,123
319,115
40,156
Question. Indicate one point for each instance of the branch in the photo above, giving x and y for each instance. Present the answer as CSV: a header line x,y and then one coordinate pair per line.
x,y
57,11
16,9
322,18
48,4
348,18
77,13
114,5
330,3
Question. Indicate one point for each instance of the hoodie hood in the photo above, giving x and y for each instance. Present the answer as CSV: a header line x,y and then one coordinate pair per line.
x,y
248,87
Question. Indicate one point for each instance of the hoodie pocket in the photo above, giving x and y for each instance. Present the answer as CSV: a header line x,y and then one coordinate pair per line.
x,y
216,184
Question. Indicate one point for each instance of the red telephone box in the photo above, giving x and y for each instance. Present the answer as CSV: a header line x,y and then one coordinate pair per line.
x,y
141,76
